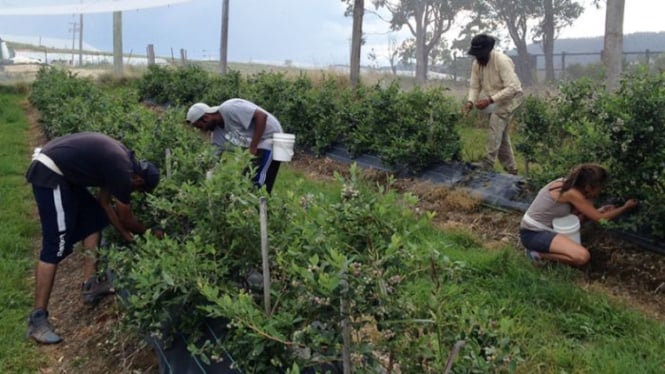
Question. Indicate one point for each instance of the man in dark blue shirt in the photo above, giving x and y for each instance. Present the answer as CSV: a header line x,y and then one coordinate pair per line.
x,y
60,175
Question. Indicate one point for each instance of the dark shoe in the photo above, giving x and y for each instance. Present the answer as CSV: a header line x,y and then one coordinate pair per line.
x,y
534,257
93,290
40,329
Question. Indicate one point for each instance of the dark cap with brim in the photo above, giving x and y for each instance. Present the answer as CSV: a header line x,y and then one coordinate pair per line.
x,y
150,175
481,45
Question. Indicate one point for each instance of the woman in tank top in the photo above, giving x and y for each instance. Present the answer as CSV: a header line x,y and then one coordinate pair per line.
x,y
563,196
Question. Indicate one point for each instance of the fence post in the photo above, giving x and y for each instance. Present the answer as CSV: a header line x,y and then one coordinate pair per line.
x,y
563,65
647,55
151,54
263,212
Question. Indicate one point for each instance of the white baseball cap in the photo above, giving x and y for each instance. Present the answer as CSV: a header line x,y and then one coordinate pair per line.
x,y
197,111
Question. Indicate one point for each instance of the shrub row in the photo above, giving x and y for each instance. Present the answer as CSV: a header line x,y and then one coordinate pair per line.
x,y
406,130
357,258
623,130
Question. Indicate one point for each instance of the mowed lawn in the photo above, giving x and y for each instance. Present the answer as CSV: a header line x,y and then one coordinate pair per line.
x,y
19,229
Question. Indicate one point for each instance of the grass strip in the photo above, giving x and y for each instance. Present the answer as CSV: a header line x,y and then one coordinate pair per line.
x,y
17,234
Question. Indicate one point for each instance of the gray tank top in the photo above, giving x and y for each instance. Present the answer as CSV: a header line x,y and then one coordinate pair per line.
x,y
544,209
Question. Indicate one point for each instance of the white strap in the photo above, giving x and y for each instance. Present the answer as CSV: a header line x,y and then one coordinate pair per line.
x,y
46,161
532,222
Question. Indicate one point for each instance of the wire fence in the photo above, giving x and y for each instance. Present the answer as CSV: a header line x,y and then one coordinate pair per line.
x,y
567,65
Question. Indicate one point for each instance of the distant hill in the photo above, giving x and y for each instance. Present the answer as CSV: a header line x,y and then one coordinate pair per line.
x,y
637,43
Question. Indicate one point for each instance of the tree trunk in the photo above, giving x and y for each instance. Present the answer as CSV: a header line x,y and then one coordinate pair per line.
x,y
548,40
613,48
421,39
356,40
523,65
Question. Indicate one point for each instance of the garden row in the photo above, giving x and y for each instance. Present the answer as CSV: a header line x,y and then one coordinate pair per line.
x,y
358,258
352,258
413,130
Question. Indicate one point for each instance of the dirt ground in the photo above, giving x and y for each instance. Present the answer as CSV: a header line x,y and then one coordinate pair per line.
x,y
621,270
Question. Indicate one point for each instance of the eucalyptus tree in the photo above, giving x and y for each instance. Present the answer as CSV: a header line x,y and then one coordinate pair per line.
x,y
356,8
529,21
557,14
517,17
613,45
427,20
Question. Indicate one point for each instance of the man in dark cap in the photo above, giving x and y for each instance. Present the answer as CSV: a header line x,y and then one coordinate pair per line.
x,y
496,90
60,175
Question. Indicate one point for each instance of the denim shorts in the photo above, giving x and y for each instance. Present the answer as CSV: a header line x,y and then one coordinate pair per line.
x,y
538,241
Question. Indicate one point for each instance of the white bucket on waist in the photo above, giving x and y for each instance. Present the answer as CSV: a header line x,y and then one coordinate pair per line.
x,y
568,225
282,146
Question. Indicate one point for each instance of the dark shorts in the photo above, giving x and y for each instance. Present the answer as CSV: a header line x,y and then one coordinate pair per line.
x,y
68,215
538,241
266,169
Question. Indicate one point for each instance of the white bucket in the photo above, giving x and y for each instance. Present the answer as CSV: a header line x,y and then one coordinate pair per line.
x,y
282,146
568,225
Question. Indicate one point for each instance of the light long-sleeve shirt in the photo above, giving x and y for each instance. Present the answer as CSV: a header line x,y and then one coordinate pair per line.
x,y
498,80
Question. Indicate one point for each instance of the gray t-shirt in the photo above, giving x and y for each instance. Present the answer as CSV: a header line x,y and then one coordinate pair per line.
x,y
239,125
544,209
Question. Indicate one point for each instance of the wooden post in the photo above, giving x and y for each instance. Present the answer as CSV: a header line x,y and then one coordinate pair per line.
x,y
150,51
223,48
183,57
263,205
117,43
346,331
563,65
167,161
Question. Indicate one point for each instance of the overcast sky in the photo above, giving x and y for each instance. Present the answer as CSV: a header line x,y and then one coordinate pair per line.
x,y
311,32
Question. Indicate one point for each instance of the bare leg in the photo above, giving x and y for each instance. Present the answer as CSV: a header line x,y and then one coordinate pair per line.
x,y
90,244
45,276
564,249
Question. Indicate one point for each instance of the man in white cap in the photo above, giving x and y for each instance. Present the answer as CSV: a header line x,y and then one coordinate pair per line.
x,y
493,74
243,124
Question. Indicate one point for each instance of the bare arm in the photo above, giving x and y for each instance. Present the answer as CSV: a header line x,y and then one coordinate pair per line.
x,y
121,217
586,207
260,120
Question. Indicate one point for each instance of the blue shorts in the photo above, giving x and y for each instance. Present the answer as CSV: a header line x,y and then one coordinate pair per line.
x,y
68,215
266,169
538,241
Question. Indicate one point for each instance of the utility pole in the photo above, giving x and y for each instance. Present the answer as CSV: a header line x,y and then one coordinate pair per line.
x,y
81,39
74,29
117,44
225,37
